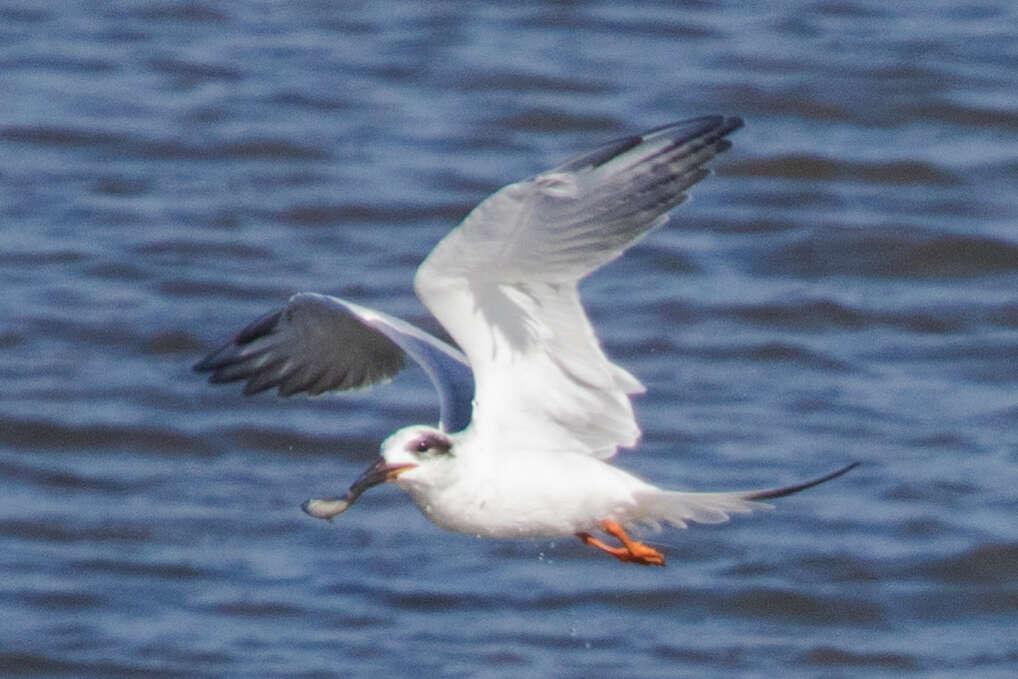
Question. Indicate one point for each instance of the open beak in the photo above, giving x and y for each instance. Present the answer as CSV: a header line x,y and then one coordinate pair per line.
x,y
380,472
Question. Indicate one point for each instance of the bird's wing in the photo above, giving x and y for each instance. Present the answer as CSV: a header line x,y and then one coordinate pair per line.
x,y
504,284
317,343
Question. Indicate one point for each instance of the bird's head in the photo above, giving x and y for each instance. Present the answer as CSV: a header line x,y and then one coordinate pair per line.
x,y
414,457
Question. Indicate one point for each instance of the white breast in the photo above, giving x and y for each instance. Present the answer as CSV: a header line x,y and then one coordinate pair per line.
x,y
516,494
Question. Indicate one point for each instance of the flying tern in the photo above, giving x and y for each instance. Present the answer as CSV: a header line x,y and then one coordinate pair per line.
x,y
531,409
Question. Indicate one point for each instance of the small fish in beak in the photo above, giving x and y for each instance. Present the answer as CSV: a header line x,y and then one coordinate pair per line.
x,y
381,472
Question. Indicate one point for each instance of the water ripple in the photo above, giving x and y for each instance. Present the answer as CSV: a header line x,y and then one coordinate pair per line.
x,y
841,289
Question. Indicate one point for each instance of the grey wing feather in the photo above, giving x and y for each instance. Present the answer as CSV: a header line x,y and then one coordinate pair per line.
x,y
624,189
504,284
572,219
318,343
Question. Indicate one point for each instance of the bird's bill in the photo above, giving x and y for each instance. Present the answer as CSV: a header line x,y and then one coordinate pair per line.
x,y
380,472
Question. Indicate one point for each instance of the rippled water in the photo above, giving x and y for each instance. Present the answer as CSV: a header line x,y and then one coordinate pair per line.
x,y
843,289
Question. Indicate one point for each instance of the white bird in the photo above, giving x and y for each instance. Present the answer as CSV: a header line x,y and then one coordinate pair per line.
x,y
531,408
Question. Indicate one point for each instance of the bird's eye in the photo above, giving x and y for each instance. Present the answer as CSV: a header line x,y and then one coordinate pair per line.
x,y
429,445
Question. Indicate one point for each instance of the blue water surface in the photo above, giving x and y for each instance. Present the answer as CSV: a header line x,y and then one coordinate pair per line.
x,y
844,288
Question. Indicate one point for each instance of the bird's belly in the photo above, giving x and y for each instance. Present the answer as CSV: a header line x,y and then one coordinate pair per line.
x,y
504,508
495,518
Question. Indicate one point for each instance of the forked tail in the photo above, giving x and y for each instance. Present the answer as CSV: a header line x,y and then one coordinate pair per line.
x,y
679,508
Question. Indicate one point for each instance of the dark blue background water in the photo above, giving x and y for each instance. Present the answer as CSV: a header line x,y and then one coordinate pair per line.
x,y
843,289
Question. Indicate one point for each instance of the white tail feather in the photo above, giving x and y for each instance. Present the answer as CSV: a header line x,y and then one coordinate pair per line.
x,y
679,509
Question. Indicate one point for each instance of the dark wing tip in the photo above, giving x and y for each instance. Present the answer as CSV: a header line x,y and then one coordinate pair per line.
x,y
601,155
228,353
697,126
314,344
259,328
715,127
790,490
708,131
202,365
732,123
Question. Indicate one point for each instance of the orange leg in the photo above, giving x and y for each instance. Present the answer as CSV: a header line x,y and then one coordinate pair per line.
x,y
631,552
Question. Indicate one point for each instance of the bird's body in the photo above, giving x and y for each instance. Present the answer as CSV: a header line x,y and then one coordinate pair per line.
x,y
531,408
522,493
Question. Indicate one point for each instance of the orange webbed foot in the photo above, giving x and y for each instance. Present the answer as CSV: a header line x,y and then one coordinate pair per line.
x,y
631,551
